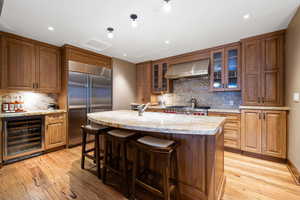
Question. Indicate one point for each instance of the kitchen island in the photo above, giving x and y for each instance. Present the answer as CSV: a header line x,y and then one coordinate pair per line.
x,y
200,154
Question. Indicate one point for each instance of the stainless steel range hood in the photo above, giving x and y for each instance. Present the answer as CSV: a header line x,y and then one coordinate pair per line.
x,y
189,69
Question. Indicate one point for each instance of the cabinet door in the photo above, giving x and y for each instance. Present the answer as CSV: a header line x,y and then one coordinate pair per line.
x,y
55,135
232,69
217,70
48,69
156,78
274,133
143,82
272,71
251,131
19,64
251,72
164,81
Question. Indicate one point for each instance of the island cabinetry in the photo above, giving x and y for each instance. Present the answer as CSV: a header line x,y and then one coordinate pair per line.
x,y
55,130
225,68
232,129
159,83
263,69
29,65
264,132
143,82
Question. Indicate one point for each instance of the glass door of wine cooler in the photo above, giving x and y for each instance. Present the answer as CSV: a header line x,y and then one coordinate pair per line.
x,y
22,136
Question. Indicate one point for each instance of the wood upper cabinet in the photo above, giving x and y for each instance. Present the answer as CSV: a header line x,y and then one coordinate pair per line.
x,y
263,70
48,69
55,134
143,82
225,69
159,83
30,65
264,132
19,64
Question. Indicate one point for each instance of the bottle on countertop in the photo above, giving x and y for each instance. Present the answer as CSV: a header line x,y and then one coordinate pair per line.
x,y
21,104
5,104
11,104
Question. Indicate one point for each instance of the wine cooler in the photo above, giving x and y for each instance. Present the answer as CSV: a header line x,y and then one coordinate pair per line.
x,y
23,136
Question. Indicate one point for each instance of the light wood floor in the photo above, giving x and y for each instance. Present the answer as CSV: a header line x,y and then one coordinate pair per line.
x,y
58,175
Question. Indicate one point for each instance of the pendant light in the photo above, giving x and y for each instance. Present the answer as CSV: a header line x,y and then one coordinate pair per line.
x,y
167,6
134,22
110,34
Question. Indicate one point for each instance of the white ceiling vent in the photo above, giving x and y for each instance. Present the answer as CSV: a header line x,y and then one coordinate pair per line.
x,y
97,45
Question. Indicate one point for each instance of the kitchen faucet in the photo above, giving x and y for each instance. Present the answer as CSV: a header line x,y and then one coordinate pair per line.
x,y
142,108
194,102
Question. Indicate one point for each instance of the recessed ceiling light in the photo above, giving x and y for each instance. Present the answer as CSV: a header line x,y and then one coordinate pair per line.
x,y
134,23
124,54
167,42
246,16
50,28
167,6
110,34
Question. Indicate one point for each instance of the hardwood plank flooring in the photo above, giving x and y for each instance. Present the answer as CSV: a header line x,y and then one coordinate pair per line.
x,y
58,176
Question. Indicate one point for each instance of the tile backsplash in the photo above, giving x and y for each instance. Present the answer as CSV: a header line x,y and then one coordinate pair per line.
x,y
33,100
185,89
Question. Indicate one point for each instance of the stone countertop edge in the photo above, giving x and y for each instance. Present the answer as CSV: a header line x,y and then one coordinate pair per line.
x,y
153,128
223,110
31,113
263,108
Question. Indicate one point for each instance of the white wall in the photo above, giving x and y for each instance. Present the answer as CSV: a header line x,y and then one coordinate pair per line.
x,y
124,84
293,85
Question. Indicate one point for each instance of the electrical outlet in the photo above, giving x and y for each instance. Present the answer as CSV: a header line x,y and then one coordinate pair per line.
x,y
296,97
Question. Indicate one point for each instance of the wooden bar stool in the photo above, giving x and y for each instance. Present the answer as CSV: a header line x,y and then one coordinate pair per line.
x,y
115,154
163,151
96,132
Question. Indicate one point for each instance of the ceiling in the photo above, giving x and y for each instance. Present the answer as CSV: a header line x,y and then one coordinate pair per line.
x,y
191,25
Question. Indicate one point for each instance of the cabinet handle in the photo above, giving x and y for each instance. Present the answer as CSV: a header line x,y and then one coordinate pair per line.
x,y
264,116
258,99
263,100
259,116
33,85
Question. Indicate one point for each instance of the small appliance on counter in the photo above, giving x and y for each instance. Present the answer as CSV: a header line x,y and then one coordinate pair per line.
x,y
53,106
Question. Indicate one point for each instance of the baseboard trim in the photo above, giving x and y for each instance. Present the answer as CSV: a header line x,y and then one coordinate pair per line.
x,y
294,171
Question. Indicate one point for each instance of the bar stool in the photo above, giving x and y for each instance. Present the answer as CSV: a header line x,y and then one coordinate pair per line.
x,y
119,139
165,151
96,132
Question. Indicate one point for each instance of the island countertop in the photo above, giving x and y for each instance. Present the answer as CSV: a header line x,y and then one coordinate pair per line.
x,y
159,122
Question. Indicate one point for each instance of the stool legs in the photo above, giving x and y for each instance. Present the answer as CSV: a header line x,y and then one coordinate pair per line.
x,y
106,147
125,167
84,135
97,151
134,171
166,179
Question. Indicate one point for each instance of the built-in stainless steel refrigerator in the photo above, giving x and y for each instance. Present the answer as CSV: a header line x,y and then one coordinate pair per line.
x,y
89,90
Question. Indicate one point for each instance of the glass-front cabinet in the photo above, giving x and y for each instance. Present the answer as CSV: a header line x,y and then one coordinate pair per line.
x,y
159,83
225,69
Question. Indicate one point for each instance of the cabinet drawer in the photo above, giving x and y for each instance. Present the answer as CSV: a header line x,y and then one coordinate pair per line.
x,y
55,118
229,116
232,143
233,134
232,125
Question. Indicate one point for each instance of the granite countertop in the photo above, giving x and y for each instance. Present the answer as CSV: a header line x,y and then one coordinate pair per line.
x,y
263,108
159,122
31,113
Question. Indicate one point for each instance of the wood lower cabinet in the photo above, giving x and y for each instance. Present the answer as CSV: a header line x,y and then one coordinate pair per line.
x,y
55,130
143,82
232,129
263,70
29,65
264,132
